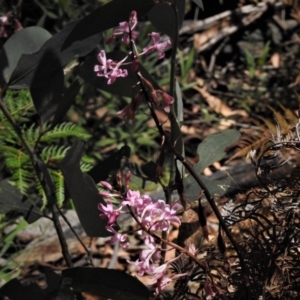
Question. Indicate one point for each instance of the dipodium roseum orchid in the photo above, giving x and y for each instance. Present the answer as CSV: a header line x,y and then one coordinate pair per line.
x,y
109,69
118,237
125,28
129,110
157,46
109,212
151,216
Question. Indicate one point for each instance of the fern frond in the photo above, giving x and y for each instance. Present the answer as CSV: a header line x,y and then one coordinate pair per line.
x,y
31,133
19,104
22,179
54,152
251,140
269,125
260,139
59,186
14,158
65,130
281,120
7,134
85,167
87,159
42,195
290,115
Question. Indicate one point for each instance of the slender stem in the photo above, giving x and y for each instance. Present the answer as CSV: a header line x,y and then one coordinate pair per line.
x,y
170,145
174,52
88,252
41,176
173,245
209,198
61,237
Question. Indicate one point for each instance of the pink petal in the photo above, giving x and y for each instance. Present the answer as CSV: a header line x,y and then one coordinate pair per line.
x,y
155,37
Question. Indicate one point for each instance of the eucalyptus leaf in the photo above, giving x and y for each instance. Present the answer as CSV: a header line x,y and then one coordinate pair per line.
x,y
34,71
106,283
101,171
210,150
179,103
106,17
162,16
84,193
12,200
26,41
66,101
215,187
17,291
47,97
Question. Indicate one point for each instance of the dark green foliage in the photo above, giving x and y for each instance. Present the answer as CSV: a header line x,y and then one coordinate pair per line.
x,y
162,16
27,41
113,284
106,17
212,149
83,192
51,147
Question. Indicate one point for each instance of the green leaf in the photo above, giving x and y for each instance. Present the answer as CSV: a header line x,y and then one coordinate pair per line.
x,y
211,149
46,98
26,41
66,102
162,16
12,200
15,290
215,187
106,283
50,58
105,17
113,162
179,102
83,192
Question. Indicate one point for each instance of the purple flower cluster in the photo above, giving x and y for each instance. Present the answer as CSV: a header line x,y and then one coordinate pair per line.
x,y
109,69
152,217
112,69
125,29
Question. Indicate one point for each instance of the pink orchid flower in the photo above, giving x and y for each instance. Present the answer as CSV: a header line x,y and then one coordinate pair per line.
x,y
157,46
108,68
109,212
125,28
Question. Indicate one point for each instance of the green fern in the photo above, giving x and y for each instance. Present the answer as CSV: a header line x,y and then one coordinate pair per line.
x,y
31,134
42,194
50,147
65,130
19,104
59,186
85,167
7,134
54,152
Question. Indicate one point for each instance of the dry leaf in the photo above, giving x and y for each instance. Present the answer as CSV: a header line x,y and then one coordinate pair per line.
x,y
202,38
217,105
276,60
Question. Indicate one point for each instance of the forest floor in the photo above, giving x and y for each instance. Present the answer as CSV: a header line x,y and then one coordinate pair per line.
x,y
238,68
